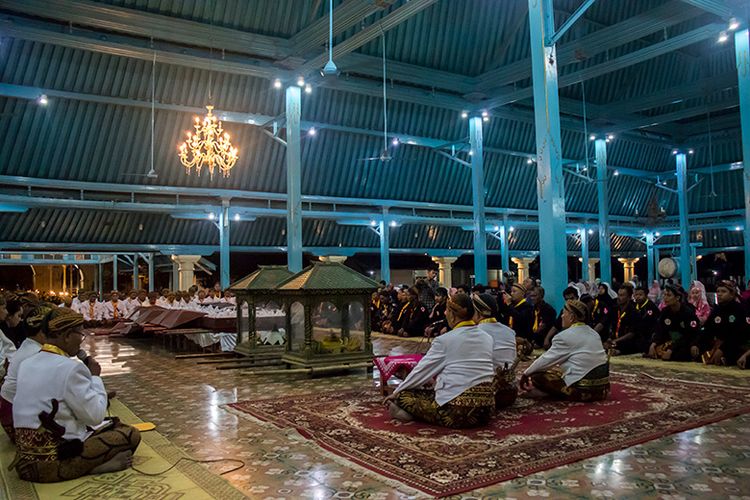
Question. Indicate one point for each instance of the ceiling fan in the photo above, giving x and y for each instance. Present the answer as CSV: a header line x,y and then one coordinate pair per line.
x,y
330,68
385,154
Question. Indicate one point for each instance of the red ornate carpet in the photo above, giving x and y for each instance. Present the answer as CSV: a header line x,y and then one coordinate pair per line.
x,y
532,436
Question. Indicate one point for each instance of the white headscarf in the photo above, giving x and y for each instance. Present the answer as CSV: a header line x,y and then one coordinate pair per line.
x,y
612,294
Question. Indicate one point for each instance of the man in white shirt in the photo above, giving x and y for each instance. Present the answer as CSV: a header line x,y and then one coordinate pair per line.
x,y
460,362
91,310
132,303
59,411
114,309
579,353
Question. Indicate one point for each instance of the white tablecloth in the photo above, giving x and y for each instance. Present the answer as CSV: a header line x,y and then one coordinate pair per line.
x,y
227,340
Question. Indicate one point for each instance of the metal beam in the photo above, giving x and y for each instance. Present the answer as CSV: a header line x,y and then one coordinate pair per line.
x,y
224,238
385,243
742,57
685,264
151,25
651,262
581,10
634,28
390,21
293,179
584,234
478,196
600,146
630,59
651,121
345,16
718,7
549,180
114,273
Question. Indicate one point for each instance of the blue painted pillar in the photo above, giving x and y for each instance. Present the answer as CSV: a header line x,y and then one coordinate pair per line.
x,y
742,54
151,272
584,254
114,273
549,182
99,278
385,243
684,228
224,225
477,189
504,253
605,257
135,271
650,258
293,179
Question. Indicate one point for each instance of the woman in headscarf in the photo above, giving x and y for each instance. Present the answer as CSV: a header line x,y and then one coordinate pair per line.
x,y
604,310
503,349
677,328
583,373
697,299
460,362
726,334
60,407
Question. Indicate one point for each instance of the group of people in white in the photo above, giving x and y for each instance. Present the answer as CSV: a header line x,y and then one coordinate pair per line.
x,y
115,307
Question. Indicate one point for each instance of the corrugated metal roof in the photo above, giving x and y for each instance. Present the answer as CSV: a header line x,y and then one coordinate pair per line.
x,y
80,140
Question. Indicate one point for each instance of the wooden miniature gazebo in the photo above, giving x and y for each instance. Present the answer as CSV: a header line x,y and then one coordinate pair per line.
x,y
260,333
328,317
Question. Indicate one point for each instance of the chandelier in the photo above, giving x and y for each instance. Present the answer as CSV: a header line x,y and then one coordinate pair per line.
x,y
208,146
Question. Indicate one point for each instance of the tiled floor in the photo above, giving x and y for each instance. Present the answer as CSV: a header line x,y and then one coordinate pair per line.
x,y
184,400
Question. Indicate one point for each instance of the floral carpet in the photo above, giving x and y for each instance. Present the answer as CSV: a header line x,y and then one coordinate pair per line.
x,y
532,436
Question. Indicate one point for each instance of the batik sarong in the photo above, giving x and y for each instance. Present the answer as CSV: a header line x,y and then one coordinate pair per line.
x,y
594,386
39,459
472,408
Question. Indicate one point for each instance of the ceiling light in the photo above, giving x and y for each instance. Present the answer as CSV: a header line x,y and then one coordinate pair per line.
x,y
733,24
617,172
312,132
511,229
464,115
393,223
529,161
691,151
300,81
308,89
485,114
656,233
591,231
611,137
395,141
211,216
723,37
373,223
675,151
471,152
737,228
277,84
592,137
485,118
497,228
42,100
236,216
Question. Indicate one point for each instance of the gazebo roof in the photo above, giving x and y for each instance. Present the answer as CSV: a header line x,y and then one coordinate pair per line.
x,y
265,278
328,277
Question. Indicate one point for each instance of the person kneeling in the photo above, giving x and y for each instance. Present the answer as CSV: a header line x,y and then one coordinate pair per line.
x,y
579,353
460,361
59,411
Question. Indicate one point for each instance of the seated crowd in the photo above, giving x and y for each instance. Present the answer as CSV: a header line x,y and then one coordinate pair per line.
x,y
469,370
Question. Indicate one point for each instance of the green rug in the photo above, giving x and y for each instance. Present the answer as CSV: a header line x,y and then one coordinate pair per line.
x,y
155,454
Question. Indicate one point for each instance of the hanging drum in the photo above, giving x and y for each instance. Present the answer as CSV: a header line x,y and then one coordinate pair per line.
x,y
668,267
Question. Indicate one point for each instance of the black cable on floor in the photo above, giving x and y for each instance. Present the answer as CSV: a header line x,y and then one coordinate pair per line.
x,y
242,464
